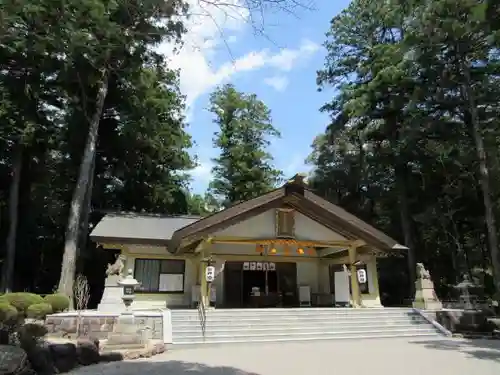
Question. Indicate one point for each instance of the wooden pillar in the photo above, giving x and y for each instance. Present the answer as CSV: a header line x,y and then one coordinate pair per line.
x,y
355,294
204,285
374,275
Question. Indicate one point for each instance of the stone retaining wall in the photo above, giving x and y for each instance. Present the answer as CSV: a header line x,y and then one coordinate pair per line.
x,y
97,325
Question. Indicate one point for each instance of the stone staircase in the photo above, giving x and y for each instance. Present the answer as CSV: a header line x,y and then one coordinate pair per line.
x,y
297,324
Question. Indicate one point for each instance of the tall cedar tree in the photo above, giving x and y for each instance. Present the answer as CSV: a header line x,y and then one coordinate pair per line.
x,y
244,168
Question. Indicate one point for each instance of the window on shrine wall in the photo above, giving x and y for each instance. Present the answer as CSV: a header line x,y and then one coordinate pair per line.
x,y
285,223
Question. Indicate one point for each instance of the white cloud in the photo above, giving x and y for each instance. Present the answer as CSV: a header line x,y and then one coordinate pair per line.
x,y
287,58
279,83
202,171
210,30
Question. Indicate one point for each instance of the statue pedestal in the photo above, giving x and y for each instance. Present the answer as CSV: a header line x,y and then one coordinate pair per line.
x,y
425,296
126,334
111,300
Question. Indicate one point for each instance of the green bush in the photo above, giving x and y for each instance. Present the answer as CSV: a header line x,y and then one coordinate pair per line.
x,y
59,302
21,301
39,310
8,313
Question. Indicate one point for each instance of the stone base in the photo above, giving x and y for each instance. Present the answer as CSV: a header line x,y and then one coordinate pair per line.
x,y
111,300
101,325
425,296
422,284
427,305
126,334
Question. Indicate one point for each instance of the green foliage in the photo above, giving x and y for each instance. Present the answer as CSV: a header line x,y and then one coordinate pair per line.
x,y
22,301
8,313
39,310
58,302
202,205
401,151
48,84
244,168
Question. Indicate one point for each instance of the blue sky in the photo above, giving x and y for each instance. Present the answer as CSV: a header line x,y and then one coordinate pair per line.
x,y
280,67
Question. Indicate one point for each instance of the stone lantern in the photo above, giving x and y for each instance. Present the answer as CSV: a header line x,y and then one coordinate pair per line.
x,y
129,284
125,331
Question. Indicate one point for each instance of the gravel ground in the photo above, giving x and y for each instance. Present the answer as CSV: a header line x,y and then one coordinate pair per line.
x,y
374,357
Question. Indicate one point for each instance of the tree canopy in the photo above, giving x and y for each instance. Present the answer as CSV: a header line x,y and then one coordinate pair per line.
x,y
93,121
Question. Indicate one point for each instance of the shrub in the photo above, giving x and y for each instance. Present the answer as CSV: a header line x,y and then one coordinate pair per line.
x,y
59,302
8,313
21,301
39,310
30,334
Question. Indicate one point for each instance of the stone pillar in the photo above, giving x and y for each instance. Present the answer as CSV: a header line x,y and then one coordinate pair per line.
x,y
355,294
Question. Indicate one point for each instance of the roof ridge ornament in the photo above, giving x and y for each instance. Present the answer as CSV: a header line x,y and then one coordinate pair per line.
x,y
299,179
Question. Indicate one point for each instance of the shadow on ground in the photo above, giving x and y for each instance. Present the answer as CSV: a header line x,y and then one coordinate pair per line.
x,y
480,349
145,367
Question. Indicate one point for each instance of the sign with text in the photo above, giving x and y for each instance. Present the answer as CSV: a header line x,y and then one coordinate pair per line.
x,y
259,266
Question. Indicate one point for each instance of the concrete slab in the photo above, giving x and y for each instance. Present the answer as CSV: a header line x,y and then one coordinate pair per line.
x,y
373,357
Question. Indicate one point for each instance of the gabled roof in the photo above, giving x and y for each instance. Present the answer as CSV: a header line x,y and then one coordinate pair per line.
x,y
183,232
141,229
294,194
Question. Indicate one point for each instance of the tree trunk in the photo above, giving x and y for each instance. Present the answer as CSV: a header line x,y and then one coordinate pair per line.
x,y
484,179
68,266
10,258
84,228
401,172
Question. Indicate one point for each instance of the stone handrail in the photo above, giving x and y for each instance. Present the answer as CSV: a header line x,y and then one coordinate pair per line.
x,y
435,324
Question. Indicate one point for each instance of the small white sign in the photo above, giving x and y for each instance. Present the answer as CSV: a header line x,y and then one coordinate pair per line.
x,y
259,266
272,266
265,266
246,266
252,266
361,276
210,273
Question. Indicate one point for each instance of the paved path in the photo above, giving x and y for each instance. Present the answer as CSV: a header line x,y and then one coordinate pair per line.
x,y
367,357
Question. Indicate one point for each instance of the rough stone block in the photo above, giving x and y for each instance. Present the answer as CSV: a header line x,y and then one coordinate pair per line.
x,y
64,356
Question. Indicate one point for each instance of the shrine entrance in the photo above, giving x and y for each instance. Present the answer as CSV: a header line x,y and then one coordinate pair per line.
x,y
260,284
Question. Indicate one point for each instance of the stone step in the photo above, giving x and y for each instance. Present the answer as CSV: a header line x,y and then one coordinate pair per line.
x,y
327,335
276,325
285,326
293,318
211,332
306,311
293,311
301,320
195,344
